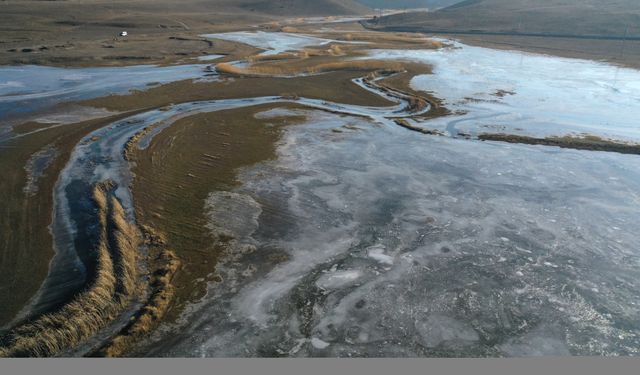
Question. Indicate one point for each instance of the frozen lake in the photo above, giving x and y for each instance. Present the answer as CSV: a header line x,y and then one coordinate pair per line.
x,y
366,239
517,92
275,43
30,88
394,244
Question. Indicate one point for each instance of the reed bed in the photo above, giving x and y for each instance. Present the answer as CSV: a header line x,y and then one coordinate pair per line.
x,y
129,147
283,70
153,311
403,38
277,56
111,290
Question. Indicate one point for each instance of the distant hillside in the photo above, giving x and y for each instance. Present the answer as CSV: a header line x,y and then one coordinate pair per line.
x,y
407,4
268,7
548,17
292,7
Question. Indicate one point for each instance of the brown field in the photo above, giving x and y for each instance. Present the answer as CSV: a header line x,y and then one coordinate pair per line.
x,y
551,17
85,32
193,157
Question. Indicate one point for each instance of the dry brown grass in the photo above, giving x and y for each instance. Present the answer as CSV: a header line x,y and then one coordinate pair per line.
x,y
133,141
164,268
584,142
277,57
284,70
405,124
336,50
291,29
127,240
305,53
415,103
393,66
399,38
153,311
112,288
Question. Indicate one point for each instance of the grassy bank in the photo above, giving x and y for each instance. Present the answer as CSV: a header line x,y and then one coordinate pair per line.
x,y
26,245
114,285
182,166
589,142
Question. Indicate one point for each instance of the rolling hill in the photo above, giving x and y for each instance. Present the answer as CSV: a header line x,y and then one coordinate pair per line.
x,y
611,18
290,7
408,4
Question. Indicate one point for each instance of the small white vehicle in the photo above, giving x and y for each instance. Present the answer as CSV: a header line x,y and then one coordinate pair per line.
x,y
124,33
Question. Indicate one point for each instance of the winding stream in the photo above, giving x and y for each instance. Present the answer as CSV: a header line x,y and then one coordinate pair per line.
x,y
100,157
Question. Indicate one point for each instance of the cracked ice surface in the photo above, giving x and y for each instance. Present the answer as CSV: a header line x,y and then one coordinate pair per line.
x,y
29,88
272,43
517,92
375,241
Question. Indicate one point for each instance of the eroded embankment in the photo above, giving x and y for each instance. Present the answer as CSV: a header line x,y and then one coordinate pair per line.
x,y
114,285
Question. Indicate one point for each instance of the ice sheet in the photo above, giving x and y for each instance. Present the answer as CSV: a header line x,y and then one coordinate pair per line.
x,y
29,88
397,244
521,92
273,43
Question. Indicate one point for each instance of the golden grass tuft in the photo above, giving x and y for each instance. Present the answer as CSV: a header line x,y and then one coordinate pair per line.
x,y
127,241
289,29
276,57
392,66
129,147
393,38
336,50
284,70
153,311
91,310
